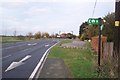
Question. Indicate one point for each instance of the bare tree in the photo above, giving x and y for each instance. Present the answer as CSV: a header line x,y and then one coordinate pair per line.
x,y
37,35
14,33
29,35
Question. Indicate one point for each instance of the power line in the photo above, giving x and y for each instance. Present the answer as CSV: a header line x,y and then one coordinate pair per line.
x,y
94,8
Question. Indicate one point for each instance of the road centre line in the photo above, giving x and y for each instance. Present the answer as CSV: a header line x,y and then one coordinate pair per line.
x,y
21,45
25,49
5,57
13,46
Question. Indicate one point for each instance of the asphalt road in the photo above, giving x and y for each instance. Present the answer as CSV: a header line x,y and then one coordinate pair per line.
x,y
20,59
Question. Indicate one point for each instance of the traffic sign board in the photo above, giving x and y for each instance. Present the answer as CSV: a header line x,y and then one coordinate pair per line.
x,y
93,21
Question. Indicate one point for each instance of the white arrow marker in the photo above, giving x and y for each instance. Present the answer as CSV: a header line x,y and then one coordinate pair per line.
x,y
16,64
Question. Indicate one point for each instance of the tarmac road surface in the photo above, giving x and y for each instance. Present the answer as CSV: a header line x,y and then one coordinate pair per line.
x,y
20,59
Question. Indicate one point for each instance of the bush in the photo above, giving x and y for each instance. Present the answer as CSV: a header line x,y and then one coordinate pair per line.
x,y
109,68
20,37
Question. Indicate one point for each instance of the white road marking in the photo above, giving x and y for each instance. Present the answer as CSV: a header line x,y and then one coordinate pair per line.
x,y
25,49
40,63
29,44
5,57
13,46
13,65
32,44
25,58
47,45
16,64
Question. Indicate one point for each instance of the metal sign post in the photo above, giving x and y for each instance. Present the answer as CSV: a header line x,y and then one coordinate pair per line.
x,y
99,41
97,21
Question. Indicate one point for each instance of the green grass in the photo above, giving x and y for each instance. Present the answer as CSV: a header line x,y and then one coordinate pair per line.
x,y
9,40
66,41
80,62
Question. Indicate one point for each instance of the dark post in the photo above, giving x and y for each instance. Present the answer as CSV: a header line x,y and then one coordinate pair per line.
x,y
99,41
116,47
117,30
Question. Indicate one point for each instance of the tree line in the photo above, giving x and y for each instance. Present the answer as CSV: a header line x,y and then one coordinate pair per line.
x,y
41,35
37,35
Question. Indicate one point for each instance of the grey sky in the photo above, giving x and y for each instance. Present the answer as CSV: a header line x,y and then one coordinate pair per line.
x,y
49,16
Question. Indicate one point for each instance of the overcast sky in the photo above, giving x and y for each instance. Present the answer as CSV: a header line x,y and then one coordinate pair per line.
x,y
49,16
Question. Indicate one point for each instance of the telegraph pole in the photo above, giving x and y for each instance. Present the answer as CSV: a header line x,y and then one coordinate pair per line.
x,y
116,48
59,32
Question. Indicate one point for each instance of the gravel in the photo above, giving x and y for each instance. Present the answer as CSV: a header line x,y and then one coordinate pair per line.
x,y
74,44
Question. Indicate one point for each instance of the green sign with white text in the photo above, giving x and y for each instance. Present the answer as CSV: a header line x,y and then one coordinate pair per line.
x,y
93,21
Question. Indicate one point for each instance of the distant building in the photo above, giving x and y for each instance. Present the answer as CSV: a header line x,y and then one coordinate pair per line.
x,y
63,35
67,35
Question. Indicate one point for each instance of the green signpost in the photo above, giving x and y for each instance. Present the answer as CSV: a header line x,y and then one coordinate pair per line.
x,y
97,21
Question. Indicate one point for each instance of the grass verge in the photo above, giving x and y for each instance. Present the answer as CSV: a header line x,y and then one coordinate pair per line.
x,y
80,62
9,40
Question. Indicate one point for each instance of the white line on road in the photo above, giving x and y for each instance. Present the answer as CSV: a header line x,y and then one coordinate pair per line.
x,y
46,45
29,44
13,46
5,57
40,63
25,58
20,45
32,44
25,49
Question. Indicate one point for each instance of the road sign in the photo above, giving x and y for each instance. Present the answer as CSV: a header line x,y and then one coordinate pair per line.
x,y
117,23
93,21
97,21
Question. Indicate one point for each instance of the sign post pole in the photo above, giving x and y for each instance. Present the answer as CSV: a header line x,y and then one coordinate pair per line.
x,y
97,21
99,41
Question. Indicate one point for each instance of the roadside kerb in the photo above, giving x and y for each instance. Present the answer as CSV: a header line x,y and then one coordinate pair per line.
x,y
37,70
